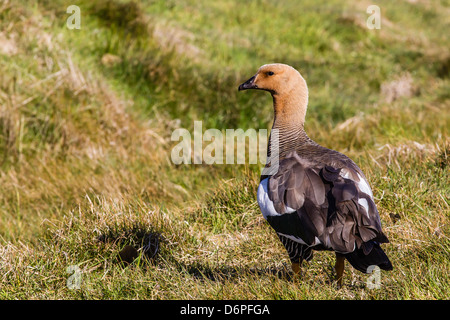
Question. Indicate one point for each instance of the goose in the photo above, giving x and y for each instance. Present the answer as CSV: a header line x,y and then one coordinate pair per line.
x,y
313,197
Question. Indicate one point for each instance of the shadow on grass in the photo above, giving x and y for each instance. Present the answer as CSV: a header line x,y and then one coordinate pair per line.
x,y
229,273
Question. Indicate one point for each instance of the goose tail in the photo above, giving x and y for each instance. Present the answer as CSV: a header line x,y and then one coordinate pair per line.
x,y
370,254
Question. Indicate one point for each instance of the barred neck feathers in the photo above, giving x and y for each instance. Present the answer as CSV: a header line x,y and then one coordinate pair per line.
x,y
290,110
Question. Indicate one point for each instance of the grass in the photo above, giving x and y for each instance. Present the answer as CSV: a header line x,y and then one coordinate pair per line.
x,y
86,118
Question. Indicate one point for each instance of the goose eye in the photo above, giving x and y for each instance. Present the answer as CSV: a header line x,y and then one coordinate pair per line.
x,y
270,73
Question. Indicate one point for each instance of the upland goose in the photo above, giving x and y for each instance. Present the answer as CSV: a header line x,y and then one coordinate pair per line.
x,y
313,197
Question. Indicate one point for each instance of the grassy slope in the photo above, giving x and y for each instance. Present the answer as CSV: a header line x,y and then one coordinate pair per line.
x,y
85,144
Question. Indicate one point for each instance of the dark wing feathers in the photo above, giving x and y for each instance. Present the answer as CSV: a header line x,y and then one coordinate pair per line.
x,y
315,189
322,204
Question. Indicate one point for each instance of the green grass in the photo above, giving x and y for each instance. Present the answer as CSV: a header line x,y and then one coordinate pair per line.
x,y
86,118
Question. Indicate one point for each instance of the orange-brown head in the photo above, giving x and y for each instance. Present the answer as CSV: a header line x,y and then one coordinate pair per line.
x,y
288,88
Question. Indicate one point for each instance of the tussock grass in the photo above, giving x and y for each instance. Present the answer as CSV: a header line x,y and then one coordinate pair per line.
x,y
86,118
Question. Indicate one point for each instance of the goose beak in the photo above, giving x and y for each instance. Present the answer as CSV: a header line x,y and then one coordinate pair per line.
x,y
249,84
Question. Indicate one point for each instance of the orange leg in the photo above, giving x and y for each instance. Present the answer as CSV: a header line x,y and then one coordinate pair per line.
x,y
296,267
339,267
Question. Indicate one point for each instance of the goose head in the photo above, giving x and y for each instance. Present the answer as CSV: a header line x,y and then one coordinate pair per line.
x,y
287,87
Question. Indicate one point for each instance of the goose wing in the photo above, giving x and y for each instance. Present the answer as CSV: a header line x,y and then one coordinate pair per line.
x,y
322,205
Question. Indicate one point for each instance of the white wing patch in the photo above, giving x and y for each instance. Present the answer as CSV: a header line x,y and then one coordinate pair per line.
x,y
364,186
362,183
265,204
344,173
363,202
